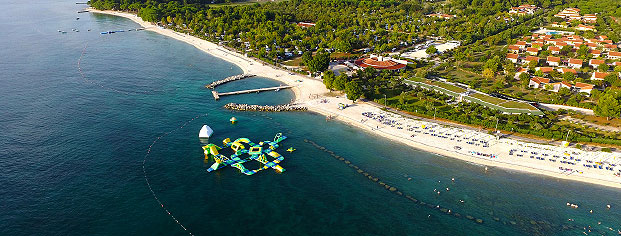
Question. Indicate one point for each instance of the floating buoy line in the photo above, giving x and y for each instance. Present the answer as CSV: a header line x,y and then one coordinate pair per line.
x,y
146,177
534,226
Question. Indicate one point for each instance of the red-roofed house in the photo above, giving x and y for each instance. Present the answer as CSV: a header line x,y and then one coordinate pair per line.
x,y
565,70
598,75
575,63
596,53
545,70
584,87
538,82
609,47
521,44
614,55
554,50
514,49
530,58
602,37
582,27
595,63
532,51
617,63
553,61
512,57
306,24
560,44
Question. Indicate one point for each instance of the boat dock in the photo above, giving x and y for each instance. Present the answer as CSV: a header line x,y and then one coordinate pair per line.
x,y
229,79
217,95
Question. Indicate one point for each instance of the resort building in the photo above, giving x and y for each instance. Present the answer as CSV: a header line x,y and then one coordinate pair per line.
x,y
530,58
545,70
512,57
596,53
614,55
574,63
595,63
553,61
532,51
538,82
584,87
381,63
514,49
599,75
521,44
609,47
523,10
582,27
554,50
565,70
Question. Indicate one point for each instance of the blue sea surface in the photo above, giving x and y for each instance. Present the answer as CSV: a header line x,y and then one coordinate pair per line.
x,y
82,113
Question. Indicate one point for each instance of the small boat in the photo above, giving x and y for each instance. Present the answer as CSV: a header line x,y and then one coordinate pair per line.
x,y
77,18
205,132
104,32
233,120
291,149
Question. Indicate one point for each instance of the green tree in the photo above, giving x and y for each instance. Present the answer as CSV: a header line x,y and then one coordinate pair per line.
x,y
617,68
603,67
608,106
353,90
568,76
431,50
339,82
328,78
524,80
488,73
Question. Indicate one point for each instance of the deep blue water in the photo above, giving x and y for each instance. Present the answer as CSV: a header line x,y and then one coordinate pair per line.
x,y
72,150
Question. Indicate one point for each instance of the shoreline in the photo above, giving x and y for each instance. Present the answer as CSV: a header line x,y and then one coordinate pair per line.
x,y
309,92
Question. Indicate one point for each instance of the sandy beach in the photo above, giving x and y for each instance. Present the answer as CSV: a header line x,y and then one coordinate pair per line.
x,y
471,146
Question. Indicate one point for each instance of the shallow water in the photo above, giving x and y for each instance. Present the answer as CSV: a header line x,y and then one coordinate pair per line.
x,y
73,147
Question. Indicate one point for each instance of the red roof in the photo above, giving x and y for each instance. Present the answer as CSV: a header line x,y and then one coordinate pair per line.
x,y
512,56
596,62
595,52
553,59
532,49
514,47
380,65
599,75
554,49
614,54
540,80
584,85
546,69
617,63
566,84
564,70
610,46
306,24
531,58
520,43
575,61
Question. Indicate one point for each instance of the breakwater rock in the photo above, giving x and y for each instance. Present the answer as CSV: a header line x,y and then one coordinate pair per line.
x,y
277,108
228,79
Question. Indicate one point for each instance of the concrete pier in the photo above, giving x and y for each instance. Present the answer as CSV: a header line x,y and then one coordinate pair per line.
x,y
217,95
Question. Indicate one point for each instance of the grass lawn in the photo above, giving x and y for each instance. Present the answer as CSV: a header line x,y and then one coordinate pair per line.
x,y
502,102
293,62
448,86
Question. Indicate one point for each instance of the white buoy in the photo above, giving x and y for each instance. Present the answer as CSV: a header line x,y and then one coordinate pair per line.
x,y
205,132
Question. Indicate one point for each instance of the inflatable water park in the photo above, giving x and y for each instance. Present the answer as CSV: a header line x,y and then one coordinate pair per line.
x,y
245,151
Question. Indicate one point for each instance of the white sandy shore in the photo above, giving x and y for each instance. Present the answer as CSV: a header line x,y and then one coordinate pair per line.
x,y
310,92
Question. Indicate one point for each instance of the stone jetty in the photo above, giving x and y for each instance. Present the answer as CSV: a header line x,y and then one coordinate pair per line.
x,y
277,108
228,79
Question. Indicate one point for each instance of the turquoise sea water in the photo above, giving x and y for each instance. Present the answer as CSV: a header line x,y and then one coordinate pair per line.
x,y
72,150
